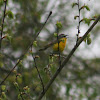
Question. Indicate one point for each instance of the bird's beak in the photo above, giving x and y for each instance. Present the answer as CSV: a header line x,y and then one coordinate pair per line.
x,y
66,36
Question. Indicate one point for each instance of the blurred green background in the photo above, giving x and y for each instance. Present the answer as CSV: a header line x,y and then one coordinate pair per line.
x,y
80,78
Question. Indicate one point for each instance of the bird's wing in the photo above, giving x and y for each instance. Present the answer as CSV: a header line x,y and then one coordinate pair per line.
x,y
49,45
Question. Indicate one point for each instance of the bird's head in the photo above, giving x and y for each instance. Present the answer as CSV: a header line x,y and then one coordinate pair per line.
x,y
62,36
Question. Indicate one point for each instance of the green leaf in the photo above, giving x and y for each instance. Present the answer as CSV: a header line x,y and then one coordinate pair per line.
x,y
74,4
75,17
87,21
85,40
28,90
87,8
55,34
4,95
88,36
10,14
9,38
89,41
51,59
16,84
3,87
58,25
20,64
35,43
19,96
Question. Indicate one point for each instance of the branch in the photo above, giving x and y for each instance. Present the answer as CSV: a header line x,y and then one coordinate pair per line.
x,y
21,58
78,21
3,70
67,59
34,58
58,46
5,1
20,93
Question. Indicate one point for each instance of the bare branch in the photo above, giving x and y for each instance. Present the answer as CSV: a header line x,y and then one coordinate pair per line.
x,y
2,26
20,93
34,58
21,58
67,59
78,21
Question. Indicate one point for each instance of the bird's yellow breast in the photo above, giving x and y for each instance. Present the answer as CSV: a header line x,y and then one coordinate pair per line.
x,y
62,45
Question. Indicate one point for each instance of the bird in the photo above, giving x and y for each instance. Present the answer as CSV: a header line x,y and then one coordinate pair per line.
x,y
57,45
60,45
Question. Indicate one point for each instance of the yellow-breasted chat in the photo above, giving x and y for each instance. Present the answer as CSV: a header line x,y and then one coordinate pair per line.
x,y
60,45
61,42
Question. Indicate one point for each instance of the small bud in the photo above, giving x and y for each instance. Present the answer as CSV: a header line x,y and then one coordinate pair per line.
x,y
88,36
19,75
16,84
75,17
19,96
14,71
3,95
37,56
89,41
55,34
74,4
87,8
58,25
10,14
9,38
85,40
3,87
4,0
35,43
25,88
79,38
87,21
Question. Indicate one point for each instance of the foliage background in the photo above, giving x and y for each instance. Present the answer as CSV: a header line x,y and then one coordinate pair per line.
x,y
79,80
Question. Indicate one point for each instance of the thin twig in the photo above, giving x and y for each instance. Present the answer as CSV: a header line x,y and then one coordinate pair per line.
x,y
21,58
28,95
34,58
67,59
2,26
44,24
19,88
49,45
58,46
78,21
20,93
